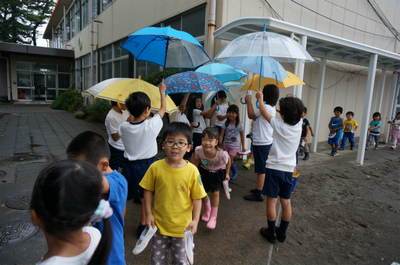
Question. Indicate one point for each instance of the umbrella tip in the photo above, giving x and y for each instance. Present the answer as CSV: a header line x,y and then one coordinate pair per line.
x,y
140,77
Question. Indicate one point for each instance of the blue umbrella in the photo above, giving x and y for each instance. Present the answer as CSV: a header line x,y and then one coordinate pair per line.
x,y
167,47
223,72
192,82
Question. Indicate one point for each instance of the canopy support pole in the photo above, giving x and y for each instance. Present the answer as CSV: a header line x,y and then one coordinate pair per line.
x,y
367,108
318,107
383,81
299,69
392,108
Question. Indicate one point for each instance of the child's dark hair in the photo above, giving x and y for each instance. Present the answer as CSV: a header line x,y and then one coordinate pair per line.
x,y
271,94
338,108
212,133
397,114
220,94
90,146
192,106
235,109
65,195
114,103
376,114
292,109
305,110
137,103
350,112
175,128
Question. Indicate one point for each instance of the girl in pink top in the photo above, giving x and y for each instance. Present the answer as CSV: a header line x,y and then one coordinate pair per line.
x,y
213,163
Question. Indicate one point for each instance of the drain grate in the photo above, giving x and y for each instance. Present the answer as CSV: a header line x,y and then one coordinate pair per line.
x,y
18,157
20,202
17,231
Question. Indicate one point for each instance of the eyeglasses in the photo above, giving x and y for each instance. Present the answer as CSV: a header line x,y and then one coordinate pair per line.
x,y
178,144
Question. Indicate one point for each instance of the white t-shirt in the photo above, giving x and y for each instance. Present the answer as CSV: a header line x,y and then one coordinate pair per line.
x,y
197,118
222,111
113,120
177,116
262,130
282,155
140,138
82,258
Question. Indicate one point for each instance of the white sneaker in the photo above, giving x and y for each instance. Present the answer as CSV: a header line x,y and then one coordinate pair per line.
x,y
227,189
394,147
189,246
144,239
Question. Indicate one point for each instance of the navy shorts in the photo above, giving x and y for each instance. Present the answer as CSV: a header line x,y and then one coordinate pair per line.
x,y
278,183
134,171
117,159
260,154
196,140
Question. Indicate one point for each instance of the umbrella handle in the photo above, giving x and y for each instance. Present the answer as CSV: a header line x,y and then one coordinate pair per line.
x,y
241,101
257,103
198,125
217,108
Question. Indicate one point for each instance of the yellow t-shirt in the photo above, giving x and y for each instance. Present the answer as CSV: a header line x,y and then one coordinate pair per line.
x,y
349,125
175,188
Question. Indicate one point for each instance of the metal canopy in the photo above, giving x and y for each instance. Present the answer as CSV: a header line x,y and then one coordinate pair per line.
x,y
319,44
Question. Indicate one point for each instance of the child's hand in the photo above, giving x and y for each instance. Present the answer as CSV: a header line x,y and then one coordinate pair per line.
x,y
227,177
192,227
259,95
218,102
162,87
130,118
312,134
150,221
247,98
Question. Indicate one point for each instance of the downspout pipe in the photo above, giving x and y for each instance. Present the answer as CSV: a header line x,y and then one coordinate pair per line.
x,y
8,78
211,28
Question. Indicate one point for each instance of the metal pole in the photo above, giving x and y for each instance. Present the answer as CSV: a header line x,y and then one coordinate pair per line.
x,y
392,107
367,108
65,29
382,90
299,69
318,107
211,28
91,44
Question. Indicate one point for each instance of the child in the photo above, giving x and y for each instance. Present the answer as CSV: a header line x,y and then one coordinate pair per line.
x,y
139,138
178,191
232,129
213,163
304,135
374,130
60,210
91,147
350,127
262,137
395,131
281,163
114,118
179,116
220,113
196,117
336,126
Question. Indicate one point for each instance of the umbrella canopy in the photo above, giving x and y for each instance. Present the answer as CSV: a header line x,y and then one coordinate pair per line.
x,y
167,47
269,67
291,80
210,96
277,46
119,89
223,72
192,82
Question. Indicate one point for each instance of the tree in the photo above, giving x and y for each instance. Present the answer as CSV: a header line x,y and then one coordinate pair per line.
x,y
19,19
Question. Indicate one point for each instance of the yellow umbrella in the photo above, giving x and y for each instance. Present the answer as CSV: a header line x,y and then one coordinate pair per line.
x,y
291,80
119,89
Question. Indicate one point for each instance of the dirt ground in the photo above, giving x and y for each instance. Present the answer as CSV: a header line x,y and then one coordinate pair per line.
x,y
343,213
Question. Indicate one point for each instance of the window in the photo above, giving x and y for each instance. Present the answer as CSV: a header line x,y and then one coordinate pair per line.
x,y
194,22
106,62
23,65
24,79
77,17
51,81
78,74
63,80
85,13
105,4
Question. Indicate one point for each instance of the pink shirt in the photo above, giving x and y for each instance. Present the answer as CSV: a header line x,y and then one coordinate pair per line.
x,y
219,161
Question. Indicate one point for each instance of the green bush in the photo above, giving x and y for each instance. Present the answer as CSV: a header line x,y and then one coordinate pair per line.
x,y
98,110
155,78
69,100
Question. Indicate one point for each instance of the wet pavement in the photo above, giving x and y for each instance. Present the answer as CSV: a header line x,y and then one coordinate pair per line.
x,y
33,136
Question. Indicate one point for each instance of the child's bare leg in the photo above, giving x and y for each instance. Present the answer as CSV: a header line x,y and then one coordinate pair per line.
x,y
333,146
336,148
271,208
205,199
207,209
142,213
260,181
215,199
286,209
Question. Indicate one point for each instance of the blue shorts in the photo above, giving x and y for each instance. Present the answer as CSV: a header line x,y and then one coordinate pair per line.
x,y
117,159
335,140
278,183
196,140
260,154
134,171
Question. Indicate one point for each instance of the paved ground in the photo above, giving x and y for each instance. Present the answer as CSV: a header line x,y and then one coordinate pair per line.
x,y
26,131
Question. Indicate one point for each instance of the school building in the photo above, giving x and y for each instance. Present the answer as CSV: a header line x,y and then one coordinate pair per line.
x,y
355,44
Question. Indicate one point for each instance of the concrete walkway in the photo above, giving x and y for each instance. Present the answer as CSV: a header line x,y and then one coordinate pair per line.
x,y
32,136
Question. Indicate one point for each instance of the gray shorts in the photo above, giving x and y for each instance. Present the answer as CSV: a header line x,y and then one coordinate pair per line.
x,y
161,245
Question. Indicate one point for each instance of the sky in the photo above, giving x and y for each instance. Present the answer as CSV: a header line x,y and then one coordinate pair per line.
x,y
39,41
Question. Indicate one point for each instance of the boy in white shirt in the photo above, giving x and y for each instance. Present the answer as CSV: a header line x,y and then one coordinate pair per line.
x,y
281,163
139,138
262,137
117,115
